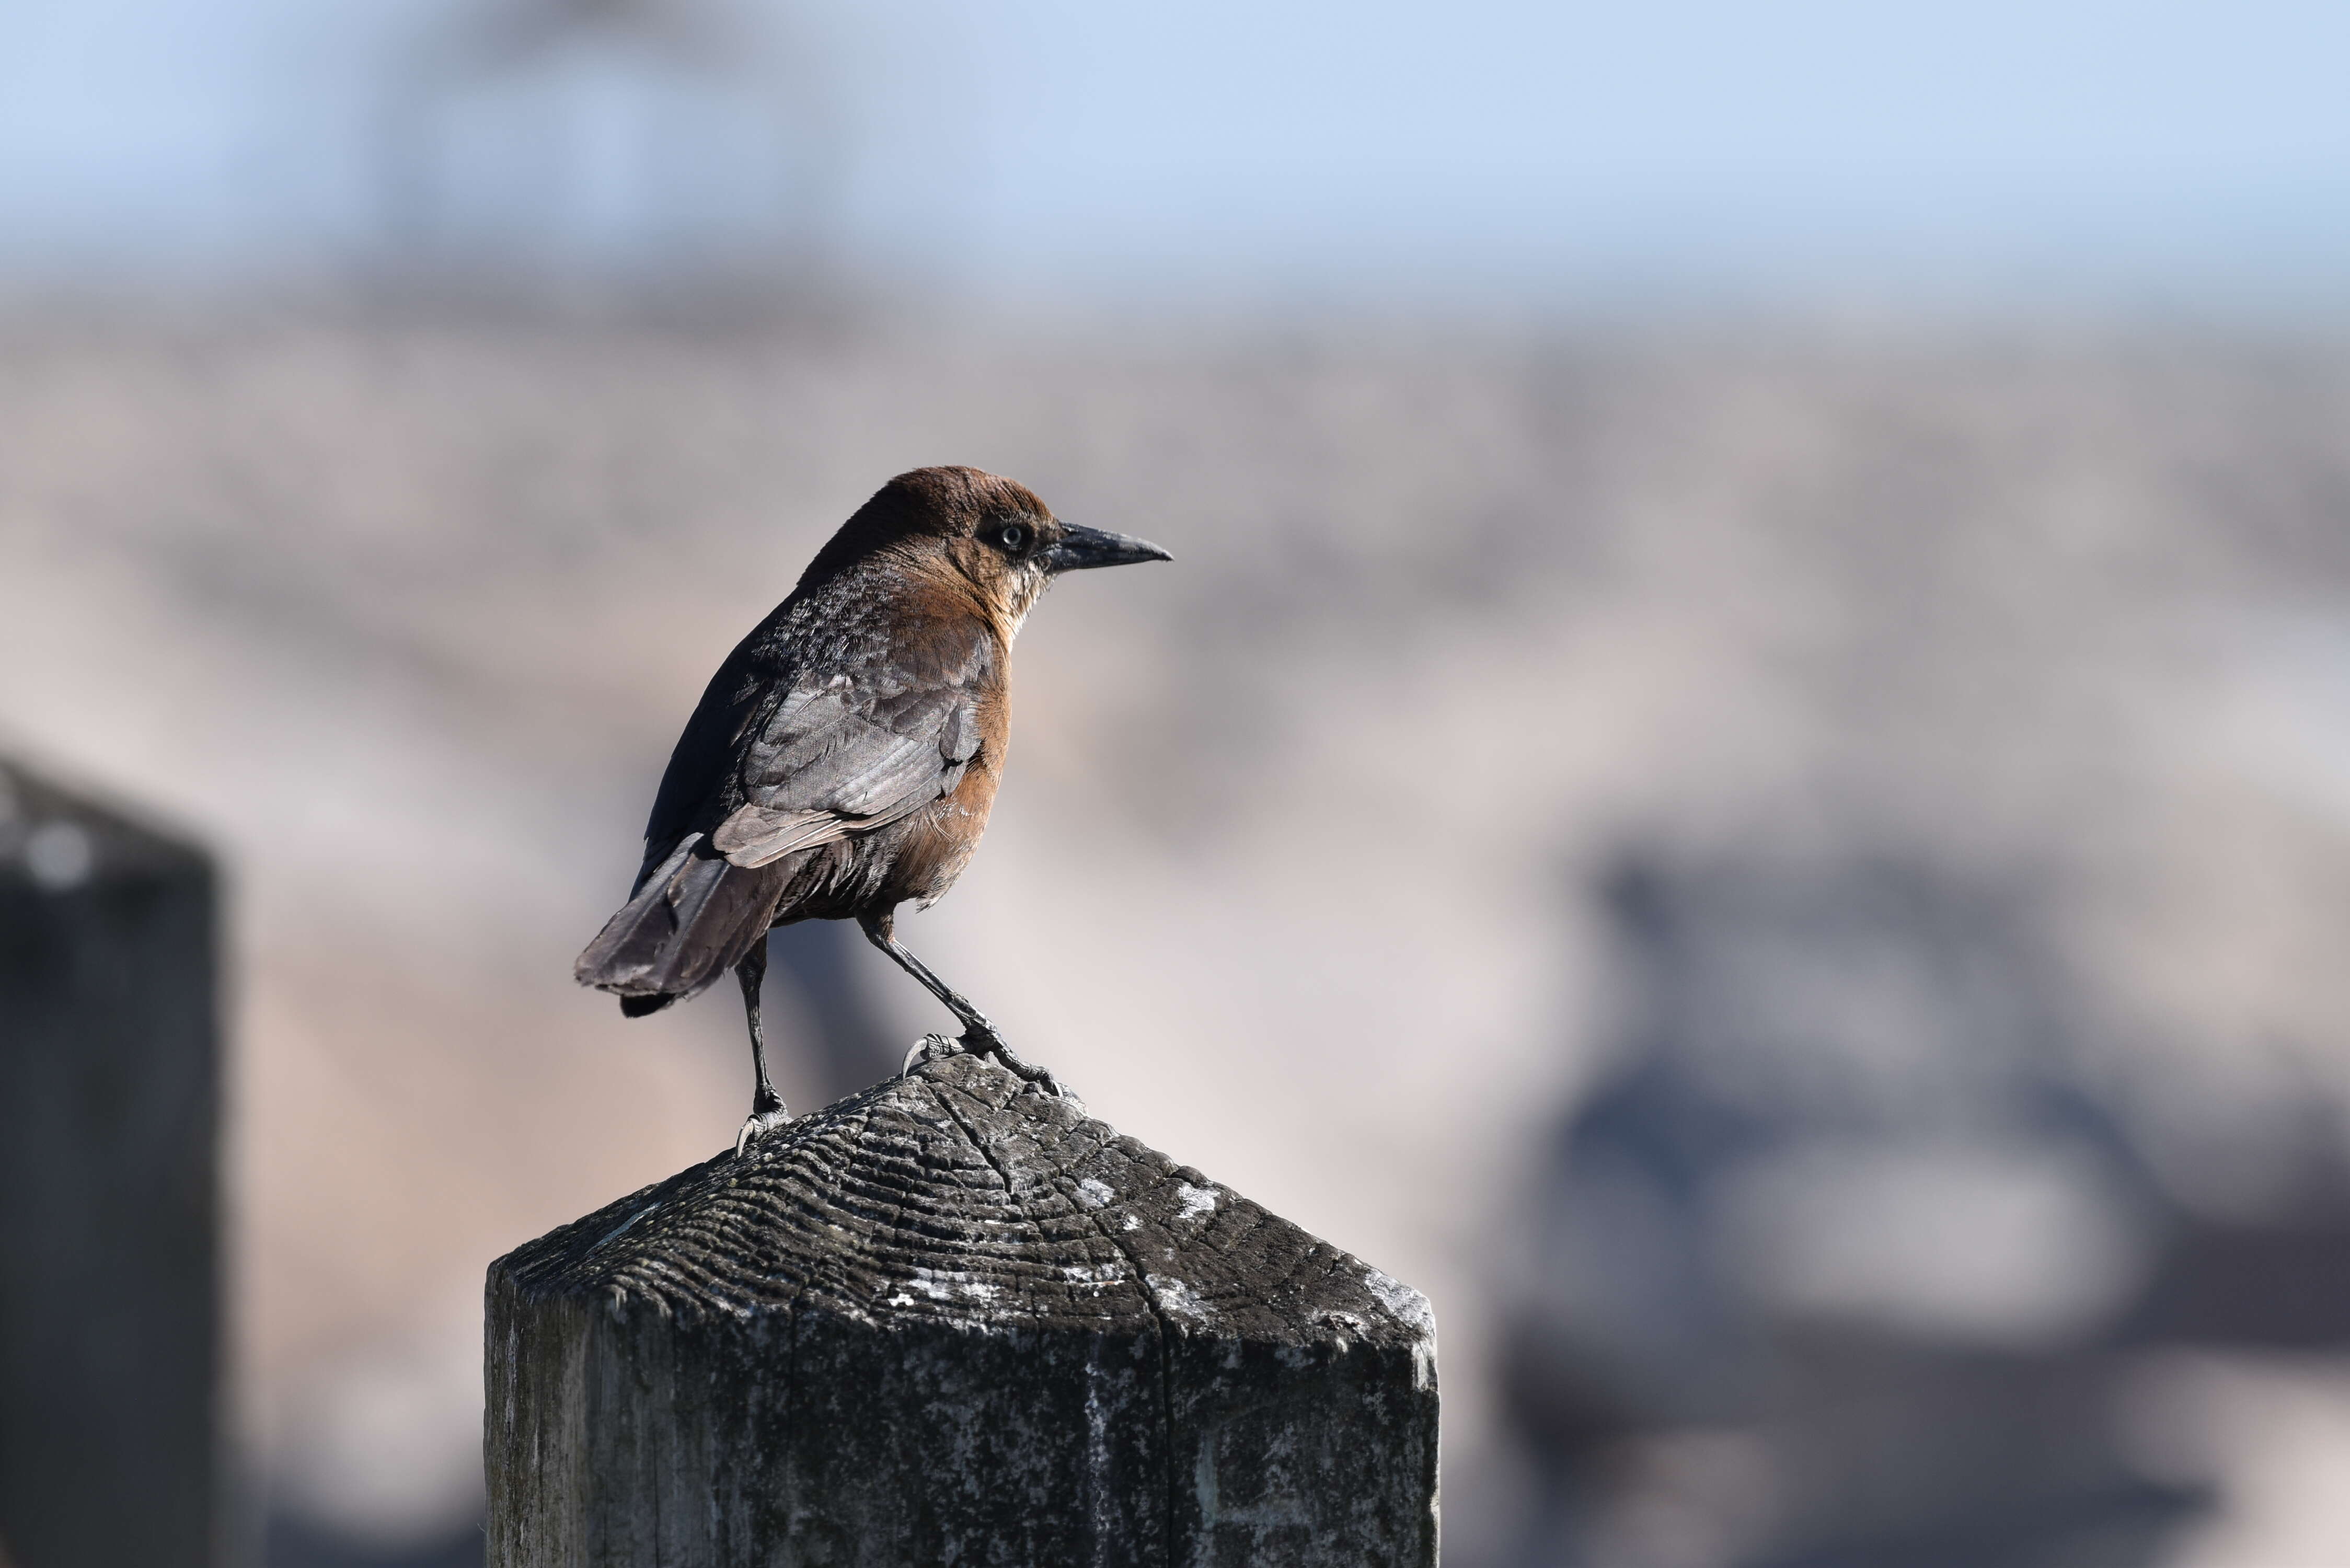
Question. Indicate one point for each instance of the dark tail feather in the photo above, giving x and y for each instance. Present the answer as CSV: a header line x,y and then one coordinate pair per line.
x,y
692,919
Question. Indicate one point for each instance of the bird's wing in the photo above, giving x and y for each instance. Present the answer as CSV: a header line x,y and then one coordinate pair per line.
x,y
861,750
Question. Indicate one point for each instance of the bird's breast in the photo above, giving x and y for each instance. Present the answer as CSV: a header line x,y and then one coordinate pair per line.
x,y
941,837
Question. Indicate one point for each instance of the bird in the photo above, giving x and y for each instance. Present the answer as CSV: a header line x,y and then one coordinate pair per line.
x,y
844,759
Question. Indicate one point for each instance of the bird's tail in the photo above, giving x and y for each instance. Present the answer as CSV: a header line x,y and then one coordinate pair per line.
x,y
690,922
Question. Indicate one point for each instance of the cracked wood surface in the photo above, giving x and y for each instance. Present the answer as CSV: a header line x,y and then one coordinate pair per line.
x,y
946,1320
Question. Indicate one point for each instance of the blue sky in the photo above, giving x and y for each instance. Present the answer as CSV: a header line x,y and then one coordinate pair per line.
x,y
1036,146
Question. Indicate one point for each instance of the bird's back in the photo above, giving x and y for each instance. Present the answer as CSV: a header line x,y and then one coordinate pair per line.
x,y
842,759
880,642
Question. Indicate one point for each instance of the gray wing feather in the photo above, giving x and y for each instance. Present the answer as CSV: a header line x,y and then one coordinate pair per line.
x,y
756,835
837,761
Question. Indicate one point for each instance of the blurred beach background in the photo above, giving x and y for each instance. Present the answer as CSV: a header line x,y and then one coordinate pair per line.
x,y
1743,773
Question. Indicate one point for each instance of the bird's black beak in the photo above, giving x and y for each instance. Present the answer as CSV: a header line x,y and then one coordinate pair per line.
x,y
1080,549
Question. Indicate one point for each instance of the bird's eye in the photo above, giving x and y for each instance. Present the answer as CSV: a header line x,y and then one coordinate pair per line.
x,y
1012,535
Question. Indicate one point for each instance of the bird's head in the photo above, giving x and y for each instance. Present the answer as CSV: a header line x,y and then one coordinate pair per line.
x,y
977,531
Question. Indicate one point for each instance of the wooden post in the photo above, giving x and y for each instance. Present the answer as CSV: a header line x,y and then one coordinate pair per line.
x,y
949,1321
109,1109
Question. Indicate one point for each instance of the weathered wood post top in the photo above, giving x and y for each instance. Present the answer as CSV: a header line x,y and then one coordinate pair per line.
x,y
947,1321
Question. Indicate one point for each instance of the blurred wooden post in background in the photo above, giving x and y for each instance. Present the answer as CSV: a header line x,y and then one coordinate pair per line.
x,y
110,1110
945,1321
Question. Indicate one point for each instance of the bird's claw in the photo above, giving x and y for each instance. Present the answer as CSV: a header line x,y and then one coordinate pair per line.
x,y
982,1041
928,1048
987,1042
760,1123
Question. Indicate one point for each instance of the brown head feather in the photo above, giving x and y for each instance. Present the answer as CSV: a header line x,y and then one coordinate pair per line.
x,y
924,506
942,528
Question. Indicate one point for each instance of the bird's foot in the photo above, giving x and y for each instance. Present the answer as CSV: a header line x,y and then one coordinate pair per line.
x,y
987,1042
930,1048
764,1119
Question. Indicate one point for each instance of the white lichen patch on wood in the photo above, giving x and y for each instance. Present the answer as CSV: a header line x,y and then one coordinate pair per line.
x,y
1175,1297
1408,1305
946,1285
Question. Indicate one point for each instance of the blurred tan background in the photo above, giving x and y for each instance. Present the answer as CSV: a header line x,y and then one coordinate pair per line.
x,y
1773,831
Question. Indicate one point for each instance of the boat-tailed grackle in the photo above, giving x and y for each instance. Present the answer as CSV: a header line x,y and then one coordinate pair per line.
x,y
843,759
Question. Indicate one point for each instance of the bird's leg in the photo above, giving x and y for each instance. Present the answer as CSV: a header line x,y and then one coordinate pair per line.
x,y
767,1110
978,1035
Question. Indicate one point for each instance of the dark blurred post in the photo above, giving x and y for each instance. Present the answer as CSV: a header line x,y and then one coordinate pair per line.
x,y
109,1107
